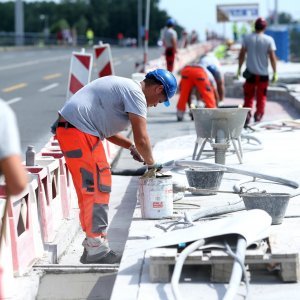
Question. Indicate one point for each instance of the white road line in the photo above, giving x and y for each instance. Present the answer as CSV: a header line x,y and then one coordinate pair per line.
x,y
117,62
14,100
35,62
48,87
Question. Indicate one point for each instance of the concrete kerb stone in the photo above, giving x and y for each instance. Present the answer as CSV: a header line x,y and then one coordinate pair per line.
x,y
275,93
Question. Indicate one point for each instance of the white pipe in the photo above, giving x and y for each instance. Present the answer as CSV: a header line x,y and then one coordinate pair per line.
x,y
189,163
179,264
237,269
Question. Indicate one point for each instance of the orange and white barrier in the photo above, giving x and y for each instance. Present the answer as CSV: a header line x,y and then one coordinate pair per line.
x,y
80,71
103,59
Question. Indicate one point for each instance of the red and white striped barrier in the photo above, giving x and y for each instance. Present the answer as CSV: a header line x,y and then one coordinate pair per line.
x,y
103,60
21,231
48,191
80,71
6,264
68,194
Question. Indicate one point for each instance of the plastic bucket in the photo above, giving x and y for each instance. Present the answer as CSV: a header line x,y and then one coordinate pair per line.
x,y
275,204
156,197
204,178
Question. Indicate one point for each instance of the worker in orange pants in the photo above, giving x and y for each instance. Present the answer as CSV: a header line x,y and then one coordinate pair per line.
x,y
91,177
195,76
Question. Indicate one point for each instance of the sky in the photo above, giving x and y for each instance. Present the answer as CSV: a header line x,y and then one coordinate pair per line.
x,y
201,14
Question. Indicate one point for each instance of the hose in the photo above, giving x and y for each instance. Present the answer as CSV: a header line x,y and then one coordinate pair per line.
x,y
179,264
129,172
214,211
238,268
189,163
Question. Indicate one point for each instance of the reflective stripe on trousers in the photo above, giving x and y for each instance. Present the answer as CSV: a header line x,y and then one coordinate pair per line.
x,y
195,77
86,160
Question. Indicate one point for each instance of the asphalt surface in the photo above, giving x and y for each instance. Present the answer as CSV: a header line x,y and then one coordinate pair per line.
x,y
34,82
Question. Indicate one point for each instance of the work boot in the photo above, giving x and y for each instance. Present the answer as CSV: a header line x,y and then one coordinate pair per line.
x,y
248,118
257,117
180,115
97,251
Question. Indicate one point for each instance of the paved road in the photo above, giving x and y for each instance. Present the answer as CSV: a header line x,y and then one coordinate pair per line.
x,y
34,82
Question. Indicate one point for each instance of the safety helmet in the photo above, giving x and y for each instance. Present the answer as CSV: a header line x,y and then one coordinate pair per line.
x,y
260,24
170,22
168,81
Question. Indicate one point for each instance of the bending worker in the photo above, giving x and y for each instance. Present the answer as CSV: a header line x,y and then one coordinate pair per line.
x,y
98,111
213,65
259,47
195,76
170,43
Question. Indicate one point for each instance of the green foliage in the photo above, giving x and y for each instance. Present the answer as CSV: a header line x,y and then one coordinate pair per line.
x,y
106,17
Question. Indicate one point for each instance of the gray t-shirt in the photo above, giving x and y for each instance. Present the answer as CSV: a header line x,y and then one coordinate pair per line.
x,y
169,34
258,46
9,133
101,107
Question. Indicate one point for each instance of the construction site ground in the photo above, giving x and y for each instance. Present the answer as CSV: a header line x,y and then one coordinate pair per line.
x,y
128,231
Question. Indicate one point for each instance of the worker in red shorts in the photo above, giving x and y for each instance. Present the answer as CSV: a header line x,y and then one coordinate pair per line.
x,y
195,76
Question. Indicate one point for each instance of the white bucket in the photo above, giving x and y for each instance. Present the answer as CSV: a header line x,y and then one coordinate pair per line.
x,y
156,197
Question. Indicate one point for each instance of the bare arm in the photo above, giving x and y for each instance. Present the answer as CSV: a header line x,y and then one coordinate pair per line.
x,y
242,56
273,60
220,87
174,43
120,140
141,137
14,173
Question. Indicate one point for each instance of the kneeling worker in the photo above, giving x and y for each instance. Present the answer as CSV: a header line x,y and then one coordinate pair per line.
x,y
195,76
101,110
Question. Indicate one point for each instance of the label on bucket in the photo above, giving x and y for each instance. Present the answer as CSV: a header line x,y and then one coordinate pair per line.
x,y
156,198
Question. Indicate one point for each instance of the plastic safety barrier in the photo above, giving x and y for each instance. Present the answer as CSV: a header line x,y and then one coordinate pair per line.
x,y
68,195
49,200
20,218
80,71
103,59
6,264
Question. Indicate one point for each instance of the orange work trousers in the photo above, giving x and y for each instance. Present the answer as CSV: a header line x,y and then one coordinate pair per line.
x,y
195,76
86,160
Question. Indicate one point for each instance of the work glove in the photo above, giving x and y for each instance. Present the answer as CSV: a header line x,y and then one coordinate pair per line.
x,y
152,169
238,74
275,77
135,154
155,166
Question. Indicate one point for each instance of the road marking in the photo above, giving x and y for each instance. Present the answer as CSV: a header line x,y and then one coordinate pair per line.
x,y
117,62
34,62
51,76
14,100
48,87
14,87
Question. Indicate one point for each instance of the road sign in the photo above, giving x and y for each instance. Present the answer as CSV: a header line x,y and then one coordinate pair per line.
x,y
237,12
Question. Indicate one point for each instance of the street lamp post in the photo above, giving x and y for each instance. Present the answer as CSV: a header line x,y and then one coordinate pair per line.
x,y
19,23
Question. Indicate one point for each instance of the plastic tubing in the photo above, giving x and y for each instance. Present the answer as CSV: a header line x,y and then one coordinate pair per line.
x,y
179,264
193,163
238,268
